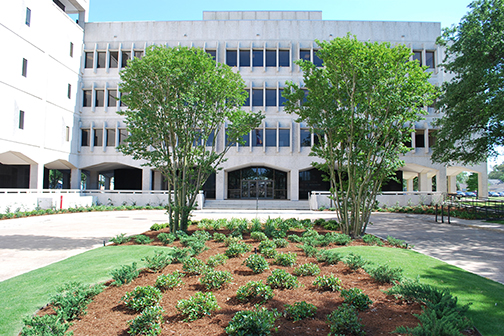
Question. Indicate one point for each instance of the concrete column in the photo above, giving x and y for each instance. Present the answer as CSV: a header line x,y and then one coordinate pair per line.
x,y
441,180
452,184
423,182
429,183
75,179
482,186
146,178
36,176
220,185
158,181
294,185
409,185
92,182
426,139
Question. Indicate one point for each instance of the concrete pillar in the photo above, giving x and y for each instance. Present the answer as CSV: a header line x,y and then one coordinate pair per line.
x,y
482,186
294,185
441,180
92,182
158,181
452,184
423,182
409,185
146,178
36,176
75,179
220,185
426,139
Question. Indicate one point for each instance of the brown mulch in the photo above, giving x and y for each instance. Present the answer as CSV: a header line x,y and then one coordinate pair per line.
x,y
108,315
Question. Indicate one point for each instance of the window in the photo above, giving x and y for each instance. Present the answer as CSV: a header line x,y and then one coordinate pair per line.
x,y
111,99
100,98
245,58
126,55
25,67
87,96
246,139
270,137
231,58
284,137
247,100
210,139
67,133
212,53
88,63
419,139
123,134
270,97
21,119
71,49
281,98
257,137
271,58
304,54
257,97
417,55
122,103
102,59
85,137
431,108
28,16
305,138
283,58
429,59
318,138
316,60
98,137
111,137
258,58
69,91
139,54
113,59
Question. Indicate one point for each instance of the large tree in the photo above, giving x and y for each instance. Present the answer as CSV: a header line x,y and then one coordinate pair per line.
x,y
473,101
177,101
362,104
497,173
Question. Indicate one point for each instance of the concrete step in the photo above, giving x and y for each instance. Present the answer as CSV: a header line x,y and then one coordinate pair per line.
x,y
260,205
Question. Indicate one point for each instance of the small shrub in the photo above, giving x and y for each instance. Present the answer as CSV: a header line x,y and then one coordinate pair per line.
x,y
328,283
345,321
310,233
194,266
307,269
166,238
300,310
231,240
309,250
254,290
266,244
294,238
372,240
157,227
396,242
279,278
206,224
256,322
148,323
169,281
256,225
356,298
269,253
180,254
197,246
120,239
217,259
330,257
142,297
201,235
280,242
142,239
355,261
72,299
258,236
125,274
286,259
197,306
219,237
256,263
47,325
337,238
237,249
319,222
158,261
216,279
386,274
331,224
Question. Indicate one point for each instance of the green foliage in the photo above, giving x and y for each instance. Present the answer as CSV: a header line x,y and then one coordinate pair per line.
x,y
294,238
309,250
307,269
331,224
166,238
256,263
300,310
237,249
396,242
355,261
181,254
231,240
217,259
254,291
143,239
286,259
47,325
158,261
280,242
256,322
372,240
356,298
202,235
269,253
266,244
330,257
258,236
212,279
256,225
497,173
328,283
472,182
72,299
219,237
195,242
120,239
157,227
447,324
345,321
337,238
169,281
279,278
148,322
142,297
194,266
385,273
125,274
198,306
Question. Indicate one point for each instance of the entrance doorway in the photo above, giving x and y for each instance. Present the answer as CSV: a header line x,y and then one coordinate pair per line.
x,y
257,189
257,183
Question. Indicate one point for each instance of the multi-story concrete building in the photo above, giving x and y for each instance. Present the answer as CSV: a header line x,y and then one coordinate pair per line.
x,y
60,82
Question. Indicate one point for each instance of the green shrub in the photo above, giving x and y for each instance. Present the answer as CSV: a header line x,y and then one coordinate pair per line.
x,y
206,224
217,259
337,238
286,259
310,233
202,235
319,222
385,273
47,325
169,281
309,250
256,322
158,261
142,297
148,323
372,240
345,321
197,306
237,249
256,225
271,226
258,236
231,240
355,261
142,239
125,274
266,244
307,269
197,246
120,239
157,227
219,237
300,310
331,224
212,279
72,299
356,298
269,253
328,283
279,278
181,254
280,242
294,238
166,238
254,290
330,257
256,263
396,242
194,266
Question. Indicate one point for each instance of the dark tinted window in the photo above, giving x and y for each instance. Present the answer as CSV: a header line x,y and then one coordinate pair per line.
x,y
71,49
429,59
270,97
247,101
139,54
257,97
258,58
271,58
246,138
123,134
283,58
305,138
69,91
244,58
316,60
100,98
304,55
28,16
111,137
281,99
126,55
86,101
88,64
231,58
257,137
98,137
212,53
24,70
85,137
284,137
111,99
101,59
21,119
114,59
417,55
270,137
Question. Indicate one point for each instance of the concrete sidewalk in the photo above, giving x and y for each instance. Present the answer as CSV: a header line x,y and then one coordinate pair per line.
x,y
34,242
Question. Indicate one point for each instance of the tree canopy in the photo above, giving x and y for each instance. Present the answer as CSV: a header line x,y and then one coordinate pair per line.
x,y
497,173
178,100
362,104
473,101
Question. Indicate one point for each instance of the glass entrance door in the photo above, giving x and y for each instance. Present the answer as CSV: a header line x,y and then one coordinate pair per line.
x,y
257,189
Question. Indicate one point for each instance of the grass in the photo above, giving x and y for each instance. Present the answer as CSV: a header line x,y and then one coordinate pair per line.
x,y
25,294
486,296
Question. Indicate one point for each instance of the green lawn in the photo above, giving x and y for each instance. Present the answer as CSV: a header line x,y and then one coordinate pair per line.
x,y
24,294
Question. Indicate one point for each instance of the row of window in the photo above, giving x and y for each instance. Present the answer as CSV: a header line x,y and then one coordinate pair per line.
x,y
113,58
429,58
268,58
99,139
100,99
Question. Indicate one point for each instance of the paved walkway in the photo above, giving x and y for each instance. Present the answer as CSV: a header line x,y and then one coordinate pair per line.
x,y
33,242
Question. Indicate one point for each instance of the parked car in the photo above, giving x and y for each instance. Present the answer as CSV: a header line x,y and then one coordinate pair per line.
x,y
493,194
501,194
460,194
471,194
